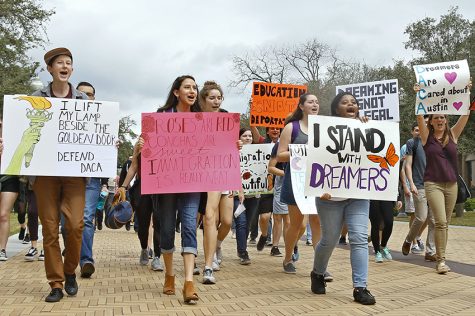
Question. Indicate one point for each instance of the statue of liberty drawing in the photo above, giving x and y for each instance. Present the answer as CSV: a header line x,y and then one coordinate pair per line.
x,y
38,116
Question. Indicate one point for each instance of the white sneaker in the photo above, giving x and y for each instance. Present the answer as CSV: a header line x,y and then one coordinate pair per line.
x,y
31,254
215,266
219,255
3,255
156,264
208,277
415,249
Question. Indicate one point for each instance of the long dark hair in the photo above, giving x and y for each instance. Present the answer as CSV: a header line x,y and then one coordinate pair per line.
x,y
297,114
172,100
336,101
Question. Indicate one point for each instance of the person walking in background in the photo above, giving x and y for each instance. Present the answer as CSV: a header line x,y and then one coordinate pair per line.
x,y
414,167
93,191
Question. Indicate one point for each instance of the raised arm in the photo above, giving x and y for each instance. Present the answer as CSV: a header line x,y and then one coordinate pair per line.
x,y
457,129
256,136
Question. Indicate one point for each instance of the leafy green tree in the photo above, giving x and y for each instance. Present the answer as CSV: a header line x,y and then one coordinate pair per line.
x,y
450,38
126,136
22,27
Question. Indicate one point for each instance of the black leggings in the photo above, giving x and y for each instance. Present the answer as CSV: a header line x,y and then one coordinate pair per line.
x,y
32,215
143,207
381,211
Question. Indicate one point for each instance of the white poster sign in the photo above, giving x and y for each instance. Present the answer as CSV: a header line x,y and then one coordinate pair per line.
x,y
443,88
351,159
379,100
254,162
59,137
298,168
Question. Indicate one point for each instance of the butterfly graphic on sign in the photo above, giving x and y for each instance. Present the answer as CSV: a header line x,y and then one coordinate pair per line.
x,y
390,159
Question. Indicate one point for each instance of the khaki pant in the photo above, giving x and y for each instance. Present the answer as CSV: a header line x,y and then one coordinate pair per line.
x,y
441,197
56,196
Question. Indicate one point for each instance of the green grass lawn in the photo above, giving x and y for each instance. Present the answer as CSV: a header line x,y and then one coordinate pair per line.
x,y
468,219
14,226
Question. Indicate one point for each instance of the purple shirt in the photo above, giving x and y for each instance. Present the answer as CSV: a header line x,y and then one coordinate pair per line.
x,y
440,162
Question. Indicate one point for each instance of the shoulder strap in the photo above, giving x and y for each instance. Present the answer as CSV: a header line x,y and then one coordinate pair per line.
x,y
295,130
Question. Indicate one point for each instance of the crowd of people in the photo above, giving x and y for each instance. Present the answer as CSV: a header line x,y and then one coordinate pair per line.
x,y
428,185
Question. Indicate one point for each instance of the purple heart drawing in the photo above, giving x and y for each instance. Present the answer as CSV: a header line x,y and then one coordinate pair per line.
x,y
450,76
457,105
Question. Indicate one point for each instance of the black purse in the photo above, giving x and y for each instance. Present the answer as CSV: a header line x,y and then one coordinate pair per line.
x,y
463,193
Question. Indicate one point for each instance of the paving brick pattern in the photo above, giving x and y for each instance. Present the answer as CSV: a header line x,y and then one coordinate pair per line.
x,y
121,286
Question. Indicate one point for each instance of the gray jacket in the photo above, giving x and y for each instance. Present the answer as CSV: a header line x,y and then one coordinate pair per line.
x,y
46,92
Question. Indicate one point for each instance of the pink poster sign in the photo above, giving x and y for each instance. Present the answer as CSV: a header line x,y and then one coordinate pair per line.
x,y
190,152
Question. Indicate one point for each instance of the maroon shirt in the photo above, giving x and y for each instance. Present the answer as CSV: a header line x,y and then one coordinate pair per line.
x,y
440,161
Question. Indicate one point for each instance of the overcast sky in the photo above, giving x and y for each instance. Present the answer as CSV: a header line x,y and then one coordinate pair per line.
x,y
131,51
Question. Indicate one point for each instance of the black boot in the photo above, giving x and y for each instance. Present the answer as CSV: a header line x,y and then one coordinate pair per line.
x,y
318,283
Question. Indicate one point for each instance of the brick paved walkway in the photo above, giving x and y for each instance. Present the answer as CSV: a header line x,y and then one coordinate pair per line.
x,y
121,286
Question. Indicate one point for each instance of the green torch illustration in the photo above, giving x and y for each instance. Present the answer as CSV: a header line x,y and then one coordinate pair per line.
x,y
38,116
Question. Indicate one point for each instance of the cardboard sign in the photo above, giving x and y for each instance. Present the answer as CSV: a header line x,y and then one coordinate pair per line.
x,y
272,102
59,137
443,88
190,152
379,100
351,159
254,162
298,168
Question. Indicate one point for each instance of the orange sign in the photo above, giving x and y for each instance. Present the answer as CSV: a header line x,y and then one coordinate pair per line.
x,y
272,102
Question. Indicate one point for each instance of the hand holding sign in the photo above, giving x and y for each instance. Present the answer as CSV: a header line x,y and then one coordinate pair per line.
x,y
442,88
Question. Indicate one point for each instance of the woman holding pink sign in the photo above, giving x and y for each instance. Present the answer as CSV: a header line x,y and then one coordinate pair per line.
x,y
183,97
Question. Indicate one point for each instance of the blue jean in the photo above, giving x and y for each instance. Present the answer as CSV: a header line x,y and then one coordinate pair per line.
x,y
332,215
243,223
93,191
167,205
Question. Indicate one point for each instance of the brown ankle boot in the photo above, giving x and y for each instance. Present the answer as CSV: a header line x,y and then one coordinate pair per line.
x,y
169,286
189,292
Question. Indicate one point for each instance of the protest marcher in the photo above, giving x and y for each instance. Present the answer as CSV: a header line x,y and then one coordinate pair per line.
x,y
32,211
242,220
440,177
280,210
333,212
182,97
219,204
145,212
61,195
414,169
10,186
93,191
296,132
382,212
265,206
